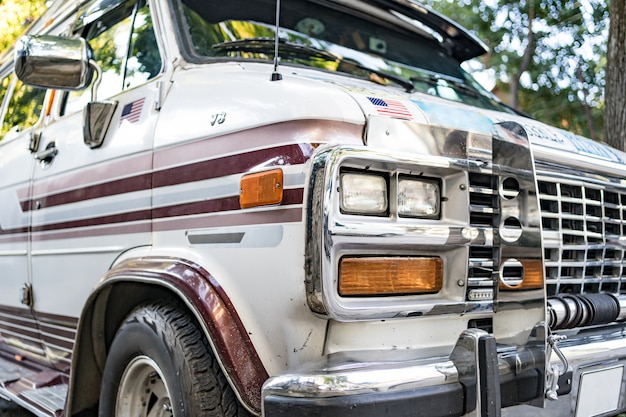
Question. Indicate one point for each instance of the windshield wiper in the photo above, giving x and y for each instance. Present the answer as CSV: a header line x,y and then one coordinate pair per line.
x,y
449,82
267,45
404,82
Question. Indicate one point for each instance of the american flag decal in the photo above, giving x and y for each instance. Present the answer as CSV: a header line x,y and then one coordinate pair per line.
x,y
392,108
132,111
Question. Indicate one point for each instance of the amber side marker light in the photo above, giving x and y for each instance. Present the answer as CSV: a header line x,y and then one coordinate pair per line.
x,y
376,276
261,188
532,276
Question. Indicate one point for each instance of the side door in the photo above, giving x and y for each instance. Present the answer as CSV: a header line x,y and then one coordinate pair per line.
x,y
20,121
90,203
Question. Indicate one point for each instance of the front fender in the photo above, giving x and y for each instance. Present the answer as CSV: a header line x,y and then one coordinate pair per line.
x,y
135,281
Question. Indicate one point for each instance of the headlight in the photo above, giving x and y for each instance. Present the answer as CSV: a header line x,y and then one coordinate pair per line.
x,y
363,194
418,198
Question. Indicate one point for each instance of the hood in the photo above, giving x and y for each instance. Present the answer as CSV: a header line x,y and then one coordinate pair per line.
x,y
549,144
249,99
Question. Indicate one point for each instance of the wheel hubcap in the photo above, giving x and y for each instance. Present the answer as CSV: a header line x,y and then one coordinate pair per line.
x,y
143,391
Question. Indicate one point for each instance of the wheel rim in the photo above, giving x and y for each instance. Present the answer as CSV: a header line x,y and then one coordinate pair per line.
x,y
143,391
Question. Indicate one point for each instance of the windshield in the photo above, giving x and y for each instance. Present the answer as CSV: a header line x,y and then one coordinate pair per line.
x,y
381,45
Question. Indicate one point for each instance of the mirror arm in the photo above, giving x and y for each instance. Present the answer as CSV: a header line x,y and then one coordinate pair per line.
x,y
97,81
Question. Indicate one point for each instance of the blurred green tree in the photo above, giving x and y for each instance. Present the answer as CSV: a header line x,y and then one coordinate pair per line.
x,y
547,57
15,17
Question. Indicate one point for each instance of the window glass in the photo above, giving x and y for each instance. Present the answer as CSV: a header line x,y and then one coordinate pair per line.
x,y
144,61
110,39
110,45
389,46
24,108
4,85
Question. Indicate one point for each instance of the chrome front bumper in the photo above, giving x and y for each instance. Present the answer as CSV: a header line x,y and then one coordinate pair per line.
x,y
477,379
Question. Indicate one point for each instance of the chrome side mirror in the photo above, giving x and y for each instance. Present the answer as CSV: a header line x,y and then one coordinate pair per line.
x,y
54,62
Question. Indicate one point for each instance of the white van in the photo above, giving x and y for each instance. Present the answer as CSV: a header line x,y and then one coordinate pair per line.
x,y
295,208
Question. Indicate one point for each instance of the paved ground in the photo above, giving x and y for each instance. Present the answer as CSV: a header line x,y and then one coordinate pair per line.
x,y
8,409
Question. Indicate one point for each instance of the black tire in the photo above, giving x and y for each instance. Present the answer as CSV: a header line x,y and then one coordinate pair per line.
x,y
160,365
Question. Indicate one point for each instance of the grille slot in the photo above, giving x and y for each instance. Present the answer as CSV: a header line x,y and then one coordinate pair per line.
x,y
484,204
582,223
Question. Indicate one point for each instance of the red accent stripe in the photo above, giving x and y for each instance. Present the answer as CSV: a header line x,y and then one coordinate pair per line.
x,y
204,170
126,185
121,229
290,196
228,165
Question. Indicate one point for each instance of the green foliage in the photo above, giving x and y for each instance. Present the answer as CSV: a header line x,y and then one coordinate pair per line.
x,y
15,17
548,55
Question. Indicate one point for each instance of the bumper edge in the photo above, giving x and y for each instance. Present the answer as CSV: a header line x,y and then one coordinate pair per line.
x,y
435,401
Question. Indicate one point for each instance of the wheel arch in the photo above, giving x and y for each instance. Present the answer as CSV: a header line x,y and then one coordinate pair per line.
x,y
137,281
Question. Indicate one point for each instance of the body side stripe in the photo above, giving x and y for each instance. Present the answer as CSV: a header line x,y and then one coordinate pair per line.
x,y
198,171
291,196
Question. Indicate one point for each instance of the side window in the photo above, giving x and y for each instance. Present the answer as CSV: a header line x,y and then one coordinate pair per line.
x,y
24,107
4,85
125,47
144,61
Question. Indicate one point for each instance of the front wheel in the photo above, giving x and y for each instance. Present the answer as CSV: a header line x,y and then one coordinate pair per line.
x,y
160,365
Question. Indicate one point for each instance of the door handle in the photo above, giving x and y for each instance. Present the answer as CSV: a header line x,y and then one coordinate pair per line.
x,y
47,155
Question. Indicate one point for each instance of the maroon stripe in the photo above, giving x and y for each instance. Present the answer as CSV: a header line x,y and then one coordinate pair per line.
x,y
13,231
54,333
228,165
122,229
121,186
204,170
16,332
30,333
97,221
110,171
290,196
58,320
58,343
14,239
22,318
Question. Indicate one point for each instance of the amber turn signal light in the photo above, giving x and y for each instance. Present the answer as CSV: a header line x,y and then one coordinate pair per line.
x,y
376,276
261,188
531,276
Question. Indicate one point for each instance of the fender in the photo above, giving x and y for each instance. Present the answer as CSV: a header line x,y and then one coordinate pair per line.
x,y
162,276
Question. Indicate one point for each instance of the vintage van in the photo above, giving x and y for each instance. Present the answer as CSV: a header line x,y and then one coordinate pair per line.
x,y
204,215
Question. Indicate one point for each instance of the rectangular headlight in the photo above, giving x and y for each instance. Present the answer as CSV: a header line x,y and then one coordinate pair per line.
x,y
418,198
363,194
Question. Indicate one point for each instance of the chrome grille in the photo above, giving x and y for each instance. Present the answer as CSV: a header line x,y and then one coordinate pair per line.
x,y
483,212
582,223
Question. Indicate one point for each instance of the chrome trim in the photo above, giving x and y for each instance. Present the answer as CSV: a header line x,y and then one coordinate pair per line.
x,y
584,220
360,373
53,62
389,372
332,234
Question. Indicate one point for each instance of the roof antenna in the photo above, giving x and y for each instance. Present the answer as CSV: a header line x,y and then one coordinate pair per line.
x,y
276,76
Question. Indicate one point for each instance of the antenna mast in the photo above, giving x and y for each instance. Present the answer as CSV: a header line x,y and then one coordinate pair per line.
x,y
276,76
